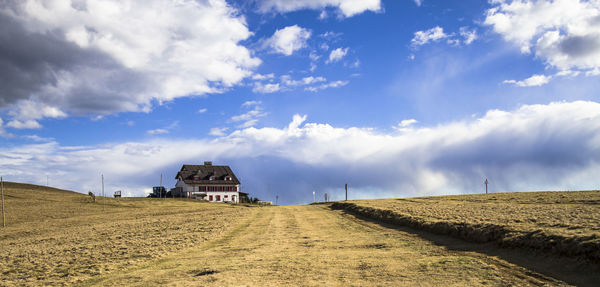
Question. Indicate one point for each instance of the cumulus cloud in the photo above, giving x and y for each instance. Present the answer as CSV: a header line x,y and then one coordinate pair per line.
x,y
67,56
424,37
564,33
289,39
337,55
347,8
533,81
535,147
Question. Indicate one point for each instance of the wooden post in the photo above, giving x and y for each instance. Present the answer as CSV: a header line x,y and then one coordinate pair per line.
x,y
2,189
160,188
486,183
346,187
103,197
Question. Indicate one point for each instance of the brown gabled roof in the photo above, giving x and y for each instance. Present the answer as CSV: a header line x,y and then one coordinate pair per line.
x,y
203,172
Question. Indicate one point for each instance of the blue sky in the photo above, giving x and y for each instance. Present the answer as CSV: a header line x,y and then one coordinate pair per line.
x,y
396,98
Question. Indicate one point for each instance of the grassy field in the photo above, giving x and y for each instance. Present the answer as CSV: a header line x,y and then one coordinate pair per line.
x,y
59,237
564,222
62,237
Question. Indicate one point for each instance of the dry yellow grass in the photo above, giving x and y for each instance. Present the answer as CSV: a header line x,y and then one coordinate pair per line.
x,y
314,246
565,222
61,237
58,237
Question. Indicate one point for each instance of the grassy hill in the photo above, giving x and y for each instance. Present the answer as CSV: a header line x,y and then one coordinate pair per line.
x,y
567,223
57,236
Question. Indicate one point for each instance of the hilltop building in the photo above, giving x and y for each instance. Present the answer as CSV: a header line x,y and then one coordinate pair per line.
x,y
215,183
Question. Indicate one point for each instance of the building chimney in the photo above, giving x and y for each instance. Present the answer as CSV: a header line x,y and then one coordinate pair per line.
x,y
208,163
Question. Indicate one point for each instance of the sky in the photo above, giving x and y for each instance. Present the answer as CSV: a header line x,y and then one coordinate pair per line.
x,y
395,98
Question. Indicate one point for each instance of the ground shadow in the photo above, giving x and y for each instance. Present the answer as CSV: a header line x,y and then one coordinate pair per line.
x,y
573,271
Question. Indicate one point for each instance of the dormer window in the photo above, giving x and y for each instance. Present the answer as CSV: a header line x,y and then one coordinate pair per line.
x,y
195,178
228,178
212,177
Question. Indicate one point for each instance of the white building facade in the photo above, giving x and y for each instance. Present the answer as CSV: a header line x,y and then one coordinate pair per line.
x,y
214,183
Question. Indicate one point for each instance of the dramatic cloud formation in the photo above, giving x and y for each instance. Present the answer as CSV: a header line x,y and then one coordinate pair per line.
x,y
565,33
289,39
102,57
530,148
347,8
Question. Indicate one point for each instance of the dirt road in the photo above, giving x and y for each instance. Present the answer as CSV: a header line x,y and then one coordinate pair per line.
x,y
315,246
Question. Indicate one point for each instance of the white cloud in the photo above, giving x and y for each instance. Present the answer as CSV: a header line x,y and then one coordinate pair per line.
x,y
164,130
468,35
217,131
250,118
334,84
201,111
424,37
407,123
259,77
337,55
437,33
564,33
535,147
3,132
533,81
26,113
265,88
122,55
26,124
157,131
347,8
418,2
289,39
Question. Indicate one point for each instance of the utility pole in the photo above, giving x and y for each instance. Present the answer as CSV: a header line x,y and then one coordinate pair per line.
x,y
346,187
486,184
276,199
2,189
314,196
47,185
103,197
160,188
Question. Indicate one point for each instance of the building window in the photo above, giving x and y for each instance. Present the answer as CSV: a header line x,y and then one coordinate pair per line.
x,y
235,188
212,177
218,198
228,178
233,198
210,198
225,196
